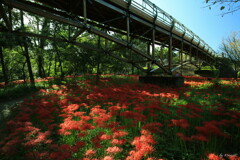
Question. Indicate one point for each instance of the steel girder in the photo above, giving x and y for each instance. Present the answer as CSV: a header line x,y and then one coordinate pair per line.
x,y
84,24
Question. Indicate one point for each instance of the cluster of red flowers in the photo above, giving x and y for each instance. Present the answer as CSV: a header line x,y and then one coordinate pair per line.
x,y
212,156
143,146
110,121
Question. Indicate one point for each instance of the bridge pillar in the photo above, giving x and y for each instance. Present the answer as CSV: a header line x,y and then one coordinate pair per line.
x,y
170,53
181,56
190,53
163,81
148,63
153,43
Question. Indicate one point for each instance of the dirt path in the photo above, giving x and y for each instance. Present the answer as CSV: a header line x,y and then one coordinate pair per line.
x,y
6,107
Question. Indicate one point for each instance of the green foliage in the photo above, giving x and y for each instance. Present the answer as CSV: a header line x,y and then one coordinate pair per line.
x,y
222,7
15,91
208,68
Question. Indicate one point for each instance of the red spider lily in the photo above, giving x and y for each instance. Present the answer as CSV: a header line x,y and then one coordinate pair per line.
x,y
118,141
233,157
78,114
90,153
102,107
181,123
71,125
40,138
118,134
106,137
199,137
114,126
64,102
108,158
71,108
114,110
11,146
82,134
212,156
143,146
37,155
193,107
79,144
153,127
97,140
209,129
59,155
183,137
61,152
99,116
113,150
193,115
133,115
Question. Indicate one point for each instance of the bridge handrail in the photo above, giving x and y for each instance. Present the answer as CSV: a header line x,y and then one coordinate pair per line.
x,y
154,11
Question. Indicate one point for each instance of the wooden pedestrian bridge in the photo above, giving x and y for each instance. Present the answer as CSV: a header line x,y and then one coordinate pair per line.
x,y
122,22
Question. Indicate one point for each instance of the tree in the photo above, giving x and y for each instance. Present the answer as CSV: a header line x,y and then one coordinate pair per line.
x,y
3,66
227,6
26,51
42,42
230,48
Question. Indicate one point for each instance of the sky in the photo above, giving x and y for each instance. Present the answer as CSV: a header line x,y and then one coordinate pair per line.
x,y
208,24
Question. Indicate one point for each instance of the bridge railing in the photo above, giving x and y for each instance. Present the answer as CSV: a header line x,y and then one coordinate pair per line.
x,y
154,11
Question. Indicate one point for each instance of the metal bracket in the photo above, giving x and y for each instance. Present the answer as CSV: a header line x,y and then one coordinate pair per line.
x,y
5,18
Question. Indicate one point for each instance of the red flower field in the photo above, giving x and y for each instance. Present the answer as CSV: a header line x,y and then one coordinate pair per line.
x,y
123,119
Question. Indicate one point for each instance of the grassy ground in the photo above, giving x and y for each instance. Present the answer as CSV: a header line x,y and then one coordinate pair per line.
x,y
123,119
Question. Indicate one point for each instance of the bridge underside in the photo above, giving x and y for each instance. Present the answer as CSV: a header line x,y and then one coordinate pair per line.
x,y
116,21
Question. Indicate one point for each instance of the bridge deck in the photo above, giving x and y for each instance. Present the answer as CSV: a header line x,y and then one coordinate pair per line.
x,y
113,13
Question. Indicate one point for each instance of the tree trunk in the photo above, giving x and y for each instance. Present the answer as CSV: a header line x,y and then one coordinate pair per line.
x,y
23,72
60,65
29,63
40,57
98,62
3,66
39,60
60,61
49,67
26,52
55,65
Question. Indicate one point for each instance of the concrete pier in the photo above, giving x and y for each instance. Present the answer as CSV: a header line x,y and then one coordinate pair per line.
x,y
170,81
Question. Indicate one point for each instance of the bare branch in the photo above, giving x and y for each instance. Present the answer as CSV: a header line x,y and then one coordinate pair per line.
x,y
226,6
